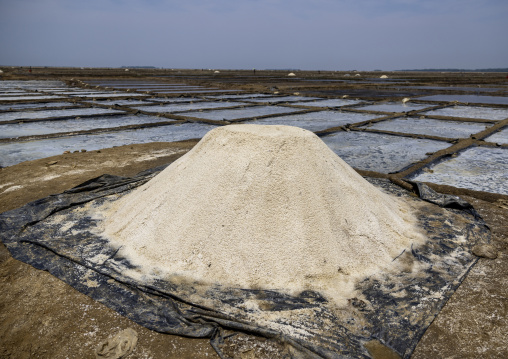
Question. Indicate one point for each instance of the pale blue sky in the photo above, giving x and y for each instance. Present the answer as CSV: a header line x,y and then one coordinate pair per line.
x,y
245,34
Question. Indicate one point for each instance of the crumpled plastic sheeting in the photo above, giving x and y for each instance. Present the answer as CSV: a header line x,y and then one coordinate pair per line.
x,y
395,307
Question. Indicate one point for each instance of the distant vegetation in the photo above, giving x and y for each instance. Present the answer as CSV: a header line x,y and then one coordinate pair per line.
x,y
462,70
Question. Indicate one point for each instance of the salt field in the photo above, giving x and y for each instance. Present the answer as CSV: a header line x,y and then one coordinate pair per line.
x,y
31,150
471,112
50,127
372,150
178,107
393,107
379,152
76,112
498,100
477,168
315,121
276,182
439,128
239,113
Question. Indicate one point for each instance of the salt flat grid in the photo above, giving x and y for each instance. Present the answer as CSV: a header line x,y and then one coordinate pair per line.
x,y
376,136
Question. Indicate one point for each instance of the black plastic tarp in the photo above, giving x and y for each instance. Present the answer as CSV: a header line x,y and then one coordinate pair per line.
x,y
395,307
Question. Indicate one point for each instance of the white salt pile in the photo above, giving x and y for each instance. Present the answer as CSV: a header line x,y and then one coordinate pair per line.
x,y
267,207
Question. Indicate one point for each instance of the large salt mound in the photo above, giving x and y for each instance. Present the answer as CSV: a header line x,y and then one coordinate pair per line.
x,y
267,207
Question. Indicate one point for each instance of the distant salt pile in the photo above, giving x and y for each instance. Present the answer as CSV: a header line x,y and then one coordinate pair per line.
x,y
261,207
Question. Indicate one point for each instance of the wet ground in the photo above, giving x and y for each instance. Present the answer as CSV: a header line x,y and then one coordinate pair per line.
x,y
458,147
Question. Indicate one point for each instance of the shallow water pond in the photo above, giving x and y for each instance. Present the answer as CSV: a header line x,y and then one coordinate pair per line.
x,y
499,137
16,152
237,113
332,102
30,97
380,152
284,99
315,121
188,106
471,112
441,128
46,127
468,99
20,106
7,116
393,107
477,168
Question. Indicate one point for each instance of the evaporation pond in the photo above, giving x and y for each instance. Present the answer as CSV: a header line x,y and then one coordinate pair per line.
x,y
16,152
172,99
237,113
499,137
467,98
393,107
119,102
9,116
188,106
20,106
112,94
315,121
31,84
477,168
471,112
332,102
13,130
380,152
35,97
441,128
284,99
242,97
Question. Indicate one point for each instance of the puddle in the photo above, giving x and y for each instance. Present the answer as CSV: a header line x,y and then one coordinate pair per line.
x,y
477,168
7,116
450,129
499,137
393,107
467,99
328,103
13,130
315,121
13,153
284,99
188,106
20,106
380,152
237,113
471,112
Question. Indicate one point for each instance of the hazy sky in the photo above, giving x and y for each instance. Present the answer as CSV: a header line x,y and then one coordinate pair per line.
x,y
246,34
